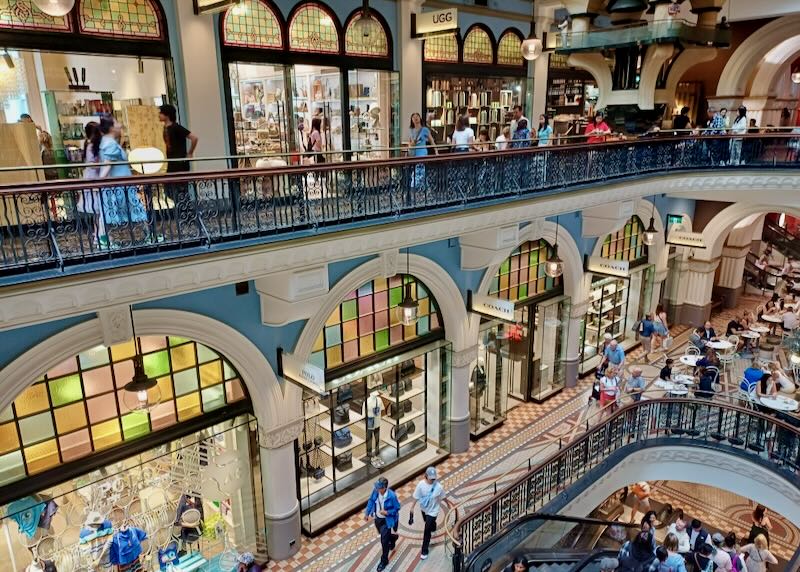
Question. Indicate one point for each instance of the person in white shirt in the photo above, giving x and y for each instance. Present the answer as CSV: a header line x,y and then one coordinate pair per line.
x,y
790,320
739,127
429,494
502,140
722,559
463,137
518,116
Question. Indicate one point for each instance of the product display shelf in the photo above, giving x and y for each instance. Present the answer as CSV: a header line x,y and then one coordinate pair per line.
x,y
419,433
332,450
410,416
319,410
406,395
605,309
67,114
310,485
325,421
357,464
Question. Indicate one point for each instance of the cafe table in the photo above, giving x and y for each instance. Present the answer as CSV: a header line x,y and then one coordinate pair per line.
x,y
779,403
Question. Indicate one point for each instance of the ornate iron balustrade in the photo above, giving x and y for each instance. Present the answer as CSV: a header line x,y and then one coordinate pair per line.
x,y
745,431
72,225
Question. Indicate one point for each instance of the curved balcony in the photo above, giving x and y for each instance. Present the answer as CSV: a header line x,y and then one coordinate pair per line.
x,y
48,229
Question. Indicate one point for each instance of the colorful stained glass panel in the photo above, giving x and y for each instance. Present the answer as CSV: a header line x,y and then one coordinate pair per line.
x,y
373,45
441,49
24,15
120,18
626,243
509,50
312,29
478,47
521,275
252,24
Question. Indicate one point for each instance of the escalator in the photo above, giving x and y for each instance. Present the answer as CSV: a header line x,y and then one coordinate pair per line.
x,y
552,543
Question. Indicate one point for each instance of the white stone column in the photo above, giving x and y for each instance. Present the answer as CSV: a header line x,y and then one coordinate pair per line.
x,y
205,114
572,359
278,481
463,362
731,273
410,58
538,71
659,279
695,308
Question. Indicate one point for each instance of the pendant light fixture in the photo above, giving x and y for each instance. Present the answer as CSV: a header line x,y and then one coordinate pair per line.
x,y
141,393
366,25
650,232
532,46
795,75
554,266
408,309
55,7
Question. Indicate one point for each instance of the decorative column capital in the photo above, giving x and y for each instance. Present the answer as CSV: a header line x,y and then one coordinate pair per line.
x,y
465,357
277,437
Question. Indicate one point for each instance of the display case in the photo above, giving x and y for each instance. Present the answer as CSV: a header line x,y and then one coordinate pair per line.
x,y
371,95
487,101
318,94
67,113
260,122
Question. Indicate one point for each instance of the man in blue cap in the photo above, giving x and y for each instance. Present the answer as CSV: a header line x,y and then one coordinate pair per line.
x,y
385,508
428,494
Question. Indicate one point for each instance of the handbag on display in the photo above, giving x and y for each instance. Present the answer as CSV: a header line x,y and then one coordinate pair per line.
x,y
407,406
395,411
345,394
344,461
341,414
407,367
400,433
342,437
397,389
409,384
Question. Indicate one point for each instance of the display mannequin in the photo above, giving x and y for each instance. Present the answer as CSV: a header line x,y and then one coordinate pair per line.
x,y
374,408
126,547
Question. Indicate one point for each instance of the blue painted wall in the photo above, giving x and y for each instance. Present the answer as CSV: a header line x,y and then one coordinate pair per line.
x,y
447,254
18,341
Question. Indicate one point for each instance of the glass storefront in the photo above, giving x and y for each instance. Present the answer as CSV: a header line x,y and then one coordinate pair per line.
x,y
196,498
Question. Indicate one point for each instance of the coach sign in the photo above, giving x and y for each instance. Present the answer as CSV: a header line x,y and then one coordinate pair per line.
x,y
427,24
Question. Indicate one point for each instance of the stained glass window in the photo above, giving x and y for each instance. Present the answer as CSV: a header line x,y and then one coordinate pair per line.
x,y
365,322
521,275
478,47
24,15
77,407
509,50
376,45
312,29
252,24
626,243
120,18
441,49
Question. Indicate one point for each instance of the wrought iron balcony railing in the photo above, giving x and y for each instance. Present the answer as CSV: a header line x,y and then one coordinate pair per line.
x,y
78,226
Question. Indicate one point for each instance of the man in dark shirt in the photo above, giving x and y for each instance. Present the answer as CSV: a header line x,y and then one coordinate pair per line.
x,y
682,121
175,136
734,327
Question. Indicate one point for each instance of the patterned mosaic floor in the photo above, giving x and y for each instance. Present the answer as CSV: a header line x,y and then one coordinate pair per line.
x,y
528,433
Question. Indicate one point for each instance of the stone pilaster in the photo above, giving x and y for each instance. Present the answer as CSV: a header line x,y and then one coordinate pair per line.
x,y
463,362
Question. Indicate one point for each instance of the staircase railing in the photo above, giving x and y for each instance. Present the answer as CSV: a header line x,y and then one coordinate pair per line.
x,y
783,240
705,422
66,224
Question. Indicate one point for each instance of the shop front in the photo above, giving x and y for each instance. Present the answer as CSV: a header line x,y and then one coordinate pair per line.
x,y
82,473
283,74
474,77
523,337
64,72
620,295
384,404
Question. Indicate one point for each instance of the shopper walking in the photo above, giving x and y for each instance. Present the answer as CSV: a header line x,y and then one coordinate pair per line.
x,y
384,507
175,138
315,141
429,494
517,116
545,132
89,201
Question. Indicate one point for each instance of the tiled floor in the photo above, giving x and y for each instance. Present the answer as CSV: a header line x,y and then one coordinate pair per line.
x,y
530,432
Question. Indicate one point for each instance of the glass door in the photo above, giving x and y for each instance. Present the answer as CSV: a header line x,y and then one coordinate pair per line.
x,y
372,95
551,329
317,95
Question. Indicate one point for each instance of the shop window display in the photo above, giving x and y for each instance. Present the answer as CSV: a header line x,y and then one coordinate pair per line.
x,y
372,96
190,502
76,408
260,118
371,418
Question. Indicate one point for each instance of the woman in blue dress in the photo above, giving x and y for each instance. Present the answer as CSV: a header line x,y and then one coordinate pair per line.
x,y
121,205
420,139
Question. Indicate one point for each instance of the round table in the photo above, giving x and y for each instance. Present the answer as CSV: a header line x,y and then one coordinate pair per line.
x,y
690,360
720,345
779,403
683,379
752,335
759,329
675,388
772,319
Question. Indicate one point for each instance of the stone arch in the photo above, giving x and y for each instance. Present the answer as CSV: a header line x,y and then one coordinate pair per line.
x,y
772,66
567,250
716,231
739,72
596,65
257,375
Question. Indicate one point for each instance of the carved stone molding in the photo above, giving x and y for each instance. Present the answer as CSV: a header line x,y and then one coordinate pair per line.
x,y
277,437
390,260
116,325
464,358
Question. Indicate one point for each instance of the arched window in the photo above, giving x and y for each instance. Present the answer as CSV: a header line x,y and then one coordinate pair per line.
x,y
77,408
140,19
375,46
252,24
365,322
626,243
478,46
441,49
521,275
312,28
24,15
509,49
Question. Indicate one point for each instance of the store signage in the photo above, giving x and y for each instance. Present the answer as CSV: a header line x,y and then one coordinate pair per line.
x,y
300,372
607,266
212,6
685,238
674,219
489,306
427,24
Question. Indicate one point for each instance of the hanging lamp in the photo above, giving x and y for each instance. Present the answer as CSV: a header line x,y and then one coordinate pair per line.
x,y
650,232
554,266
795,75
366,25
56,8
532,46
141,393
408,309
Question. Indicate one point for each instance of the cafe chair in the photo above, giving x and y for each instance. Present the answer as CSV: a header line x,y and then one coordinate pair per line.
x,y
729,356
692,350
